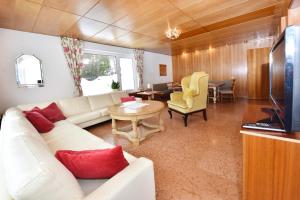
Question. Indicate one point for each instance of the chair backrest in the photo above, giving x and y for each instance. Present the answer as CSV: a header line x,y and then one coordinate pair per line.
x,y
233,85
194,83
196,86
160,87
185,83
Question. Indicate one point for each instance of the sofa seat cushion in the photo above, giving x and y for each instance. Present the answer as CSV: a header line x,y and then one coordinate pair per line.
x,y
104,111
32,172
90,185
80,118
76,139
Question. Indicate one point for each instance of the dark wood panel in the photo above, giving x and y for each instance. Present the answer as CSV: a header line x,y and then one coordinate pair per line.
x,y
221,63
258,73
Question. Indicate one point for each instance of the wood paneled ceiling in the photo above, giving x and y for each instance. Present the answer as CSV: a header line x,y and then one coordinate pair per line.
x,y
142,23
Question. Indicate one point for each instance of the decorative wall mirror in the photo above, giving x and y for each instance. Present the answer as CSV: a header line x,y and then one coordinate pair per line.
x,y
29,71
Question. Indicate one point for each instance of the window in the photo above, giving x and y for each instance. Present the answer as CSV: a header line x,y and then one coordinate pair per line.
x,y
98,73
127,73
100,70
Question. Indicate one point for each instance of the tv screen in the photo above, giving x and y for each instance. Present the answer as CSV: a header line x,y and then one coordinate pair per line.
x,y
285,78
278,75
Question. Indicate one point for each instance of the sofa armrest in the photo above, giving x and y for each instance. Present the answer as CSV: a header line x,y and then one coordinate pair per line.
x,y
176,96
135,182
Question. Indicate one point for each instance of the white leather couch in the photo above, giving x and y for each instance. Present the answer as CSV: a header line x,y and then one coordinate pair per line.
x,y
29,169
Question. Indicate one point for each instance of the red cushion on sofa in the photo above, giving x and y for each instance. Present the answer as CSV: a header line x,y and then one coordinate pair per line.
x,y
53,113
41,123
35,109
93,164
126,99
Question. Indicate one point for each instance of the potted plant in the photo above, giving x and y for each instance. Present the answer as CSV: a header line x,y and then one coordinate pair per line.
x,y
115,85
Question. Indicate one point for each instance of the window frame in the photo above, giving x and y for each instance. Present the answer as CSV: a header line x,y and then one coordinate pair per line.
x,y
117,56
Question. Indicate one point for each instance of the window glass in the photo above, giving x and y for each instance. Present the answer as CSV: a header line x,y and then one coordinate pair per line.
x,y
127,78
98,73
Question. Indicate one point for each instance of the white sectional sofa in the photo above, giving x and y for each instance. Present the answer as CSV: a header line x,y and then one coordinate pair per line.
x,y
29,169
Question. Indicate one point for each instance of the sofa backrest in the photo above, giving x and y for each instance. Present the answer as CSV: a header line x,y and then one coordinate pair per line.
x,y
100,101
31,106
30,170
74,106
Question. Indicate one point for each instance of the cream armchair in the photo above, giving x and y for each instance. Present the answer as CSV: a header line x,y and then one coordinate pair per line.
x,y
193,97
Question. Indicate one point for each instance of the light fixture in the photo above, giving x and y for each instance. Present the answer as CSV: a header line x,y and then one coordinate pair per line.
x,y
173,33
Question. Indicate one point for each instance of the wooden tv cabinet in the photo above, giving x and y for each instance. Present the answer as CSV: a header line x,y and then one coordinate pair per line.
x,y
271,161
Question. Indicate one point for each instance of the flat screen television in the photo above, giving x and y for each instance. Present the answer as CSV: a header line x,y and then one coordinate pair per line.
x,y
285,78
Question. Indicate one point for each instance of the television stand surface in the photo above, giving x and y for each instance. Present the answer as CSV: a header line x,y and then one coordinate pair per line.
x,y
263,126
271,123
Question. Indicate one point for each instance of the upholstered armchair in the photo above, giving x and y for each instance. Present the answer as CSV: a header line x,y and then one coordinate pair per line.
x,y
193,97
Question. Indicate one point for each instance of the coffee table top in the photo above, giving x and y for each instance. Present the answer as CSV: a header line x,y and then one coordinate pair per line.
x,y
126,109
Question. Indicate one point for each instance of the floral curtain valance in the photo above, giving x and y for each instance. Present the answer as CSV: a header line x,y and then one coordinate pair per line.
x,y
73,53
139,58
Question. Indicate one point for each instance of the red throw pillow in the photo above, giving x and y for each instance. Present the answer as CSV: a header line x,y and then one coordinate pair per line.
x,y
93,164
35,109
41,123
52,113
126,99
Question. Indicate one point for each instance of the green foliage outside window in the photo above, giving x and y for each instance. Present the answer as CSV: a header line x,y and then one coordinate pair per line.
x,y
98,65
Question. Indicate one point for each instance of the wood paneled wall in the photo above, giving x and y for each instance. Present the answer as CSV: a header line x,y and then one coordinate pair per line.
x,y
258,73
220,63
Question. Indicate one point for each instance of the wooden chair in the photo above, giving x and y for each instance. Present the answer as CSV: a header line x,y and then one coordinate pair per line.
x,y
228,93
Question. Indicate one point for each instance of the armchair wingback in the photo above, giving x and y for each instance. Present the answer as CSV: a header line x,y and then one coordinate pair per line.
x,y
193,97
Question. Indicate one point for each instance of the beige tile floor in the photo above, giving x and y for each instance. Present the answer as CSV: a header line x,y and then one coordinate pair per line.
x,y
200,162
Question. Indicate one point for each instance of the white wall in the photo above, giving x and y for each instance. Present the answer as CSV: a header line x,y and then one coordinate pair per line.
x,y
151,68
57,77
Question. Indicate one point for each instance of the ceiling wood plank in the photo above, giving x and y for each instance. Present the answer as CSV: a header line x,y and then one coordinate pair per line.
x,y
54,22
269,11
86,28
78,7
142,23
18,14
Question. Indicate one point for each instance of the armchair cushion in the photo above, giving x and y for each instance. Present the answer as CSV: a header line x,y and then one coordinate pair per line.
x,y
178,103
176,96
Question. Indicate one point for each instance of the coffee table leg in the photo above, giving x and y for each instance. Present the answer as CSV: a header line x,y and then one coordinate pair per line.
x,y
113,125
136,137
161,122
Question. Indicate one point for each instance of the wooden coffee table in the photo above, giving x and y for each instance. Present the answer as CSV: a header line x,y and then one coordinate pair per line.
x,y
139,129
